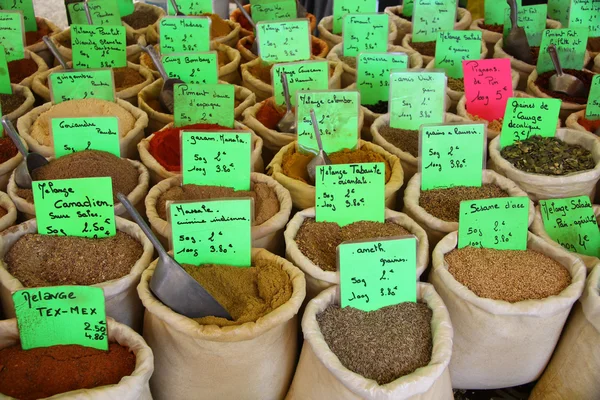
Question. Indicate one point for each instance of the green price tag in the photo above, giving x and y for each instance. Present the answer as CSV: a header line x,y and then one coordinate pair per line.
x,y
378,273
571,223
274,11
530,18
77,85
570,46
98,46
81,207
204,104
216,158
303,75
526,117
417,98
337,117
26,7
284,41
407,8
343,7
191,7
197,68
103,12
592,110
12,35
61,315
432,17
373,75
495,10
558,10
126,7
78,134
366,32
184,34
348,193
585,14
453,47
5,87
499,223
452,155
212,232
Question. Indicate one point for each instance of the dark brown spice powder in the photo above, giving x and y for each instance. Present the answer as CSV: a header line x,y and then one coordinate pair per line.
x,y
405,139
140,18
543,82
498,28
7,149
10,102
21,69
126,77
425,48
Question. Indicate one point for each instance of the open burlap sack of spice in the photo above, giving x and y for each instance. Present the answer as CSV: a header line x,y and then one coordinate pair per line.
x,y
41,67
496,343
7,168
223,362
321,375
319,48
25,107
10,217
318,279
122,302
540,187
127,140
246,28
146,8
325,28
159,173
575,120
437,228
45,28
268,235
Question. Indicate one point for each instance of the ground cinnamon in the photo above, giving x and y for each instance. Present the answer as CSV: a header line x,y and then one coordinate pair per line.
x,y
21,69
36,36
7,149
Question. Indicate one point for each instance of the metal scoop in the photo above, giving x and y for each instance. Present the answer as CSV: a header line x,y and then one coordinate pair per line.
x,y
176,9
321,158
300,10
55,53
88,15
171,284
287,124
516,43
31,162
166,97
561,82
254,48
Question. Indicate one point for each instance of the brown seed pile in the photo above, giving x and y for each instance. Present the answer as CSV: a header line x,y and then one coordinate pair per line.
x,y
140,18
455,84
10,102
509,275
318,241
445,203
381,107
40,260
382,345
425,48
126,77
405,139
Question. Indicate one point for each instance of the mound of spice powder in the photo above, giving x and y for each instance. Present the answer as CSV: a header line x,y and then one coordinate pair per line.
x,y
509,275
269,114
498,28
425,48
140,18
47,371
10,102
21,69
495,125
126,77
218,26
381,107
34,37
589,125
543,83
405,139
7,149
382,345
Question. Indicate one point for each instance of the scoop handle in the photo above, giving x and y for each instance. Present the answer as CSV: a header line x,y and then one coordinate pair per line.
x,y
245,13
513,13
156,60
286,90
554,57
55,52
313,117
88,15
175,7
12,133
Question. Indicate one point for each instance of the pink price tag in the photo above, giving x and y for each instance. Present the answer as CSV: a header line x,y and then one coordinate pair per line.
x,y
488,86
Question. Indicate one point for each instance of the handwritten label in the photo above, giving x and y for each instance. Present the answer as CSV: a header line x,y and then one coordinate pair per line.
x,y
571,223
337,117
488,86
81,207
103,12
76,85
570,47
12,35
98,46
559,11
417,98
526,117
191,7
407,8
274,11
373,75
78,134
348,193
378,273
5,87
495,10
366,32
530,18
216,158
303,75
184,34
592,110
499,223
196,68
26,7
212,232
430,18
453,47
452,155
343,7
585,14
204,104
61,315
284,41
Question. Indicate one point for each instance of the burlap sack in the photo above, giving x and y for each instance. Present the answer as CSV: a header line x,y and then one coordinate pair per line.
x,y
159,12
10,217
158,120
540,187
136,197
237,14
42,66
437,228
496,343
325,29
572,121
25,107
122,302
321,375
571,373
318,279
40,47
596,67
153,36
255,360
403,26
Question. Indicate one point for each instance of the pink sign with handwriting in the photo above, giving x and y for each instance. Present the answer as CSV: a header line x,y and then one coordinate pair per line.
x,y
488,86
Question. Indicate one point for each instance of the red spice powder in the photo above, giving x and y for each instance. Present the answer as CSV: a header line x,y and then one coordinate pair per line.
x,y
21,69
7,149
269,115
590,125
36,36
244,22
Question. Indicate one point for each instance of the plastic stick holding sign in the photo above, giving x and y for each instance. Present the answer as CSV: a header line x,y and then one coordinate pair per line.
x,y
365,32
196,68
26,7
453,47
348,193
273,11
284,41
184,34
76,85
417,98
452,155
488,86
207,104
103,12
5,87
585,14
570,47
98,46
191,7
212,232
526,117
61,315
81,207
373,75
343,7
12,35
378,273
337,116
216,158
592,110
571,223
559,11
432,17
303,75
499,223
530,18
70,135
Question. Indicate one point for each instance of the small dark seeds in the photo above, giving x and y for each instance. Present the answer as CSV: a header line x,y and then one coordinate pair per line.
x,y
381,107
405,139
10,102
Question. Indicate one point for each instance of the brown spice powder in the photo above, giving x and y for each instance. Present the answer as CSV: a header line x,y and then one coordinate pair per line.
x,y
543,83
140,18
218,26
405,139
10,102
424,48
126,77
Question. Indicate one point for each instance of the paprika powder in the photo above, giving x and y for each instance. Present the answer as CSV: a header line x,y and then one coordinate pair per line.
x,y
589,125
36,36
21,69
269,115
7,149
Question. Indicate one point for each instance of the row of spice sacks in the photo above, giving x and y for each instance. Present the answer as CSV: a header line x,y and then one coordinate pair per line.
x,y
396,133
